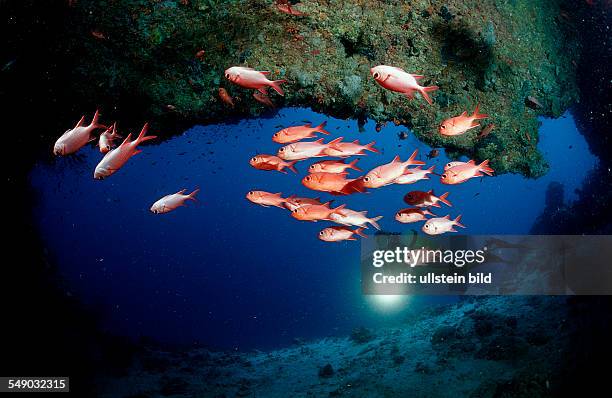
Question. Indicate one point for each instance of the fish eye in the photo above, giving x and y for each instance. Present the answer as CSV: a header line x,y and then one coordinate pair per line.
x,y
321,233
366,179
282,149
442,126
251,192
295,210
443,176
227,75
254,159
307,178
376,75
426,226
312,166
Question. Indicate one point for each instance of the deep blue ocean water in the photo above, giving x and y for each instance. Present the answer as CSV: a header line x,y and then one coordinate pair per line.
x,y
230,274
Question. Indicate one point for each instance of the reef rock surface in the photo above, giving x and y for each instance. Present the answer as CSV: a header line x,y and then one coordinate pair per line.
x,y
501,54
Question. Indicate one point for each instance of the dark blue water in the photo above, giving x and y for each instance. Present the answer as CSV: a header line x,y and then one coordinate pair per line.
x,y
227,273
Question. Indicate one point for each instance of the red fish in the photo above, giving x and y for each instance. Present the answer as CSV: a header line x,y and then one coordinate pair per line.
x,y
316,212
225,97
460,124
76,138
250,78
266,199
297,133
346,149
285,6
440,225
335,183
406,216
333,166
463,172
271,162
388,173
338,234
107,139
263,99
306,149
395,79
115,159
293,202
426,199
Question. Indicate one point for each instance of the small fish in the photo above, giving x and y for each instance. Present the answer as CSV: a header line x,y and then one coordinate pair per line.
x,y
107,139
98,35
396,79
250,78
76,138
173,201
297,133
346,149
116,158
406,216
440,225
356,219
305,150
335,183
533,102
413,175
315,212
460,124
333,166
225,97
463,172
200,55
338,234
486,131
285,6
388,173
433,154
266,199
263,99
426,199
271,162
293,202
452,164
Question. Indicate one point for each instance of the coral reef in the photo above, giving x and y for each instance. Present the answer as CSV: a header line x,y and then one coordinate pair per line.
x,y
171,55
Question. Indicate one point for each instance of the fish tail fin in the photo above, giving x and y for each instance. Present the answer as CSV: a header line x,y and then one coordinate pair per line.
x,y
370,147
291,166
457,223
478,115
484,167
276,86
373,222
425,90
321,128
444,200
94,121
412,158
192,196
141,137
359,231
352,165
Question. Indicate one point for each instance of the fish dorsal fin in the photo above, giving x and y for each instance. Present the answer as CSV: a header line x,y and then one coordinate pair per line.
x,y
430,191
446,217
464,114
127,140
355,142
364,212
471,162
308,125
182,191
80,122
396,159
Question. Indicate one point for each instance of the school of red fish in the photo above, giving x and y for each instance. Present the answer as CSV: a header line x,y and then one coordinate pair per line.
x,y
301,143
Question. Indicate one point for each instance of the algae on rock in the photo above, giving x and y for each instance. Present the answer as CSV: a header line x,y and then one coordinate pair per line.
x,y
494,53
